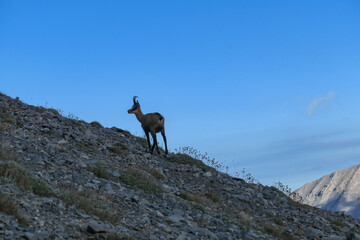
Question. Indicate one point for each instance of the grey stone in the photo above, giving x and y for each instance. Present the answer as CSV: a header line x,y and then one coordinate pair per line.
x,y
97,227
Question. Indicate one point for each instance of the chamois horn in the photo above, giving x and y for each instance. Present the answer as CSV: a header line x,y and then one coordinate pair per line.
x,y
134,99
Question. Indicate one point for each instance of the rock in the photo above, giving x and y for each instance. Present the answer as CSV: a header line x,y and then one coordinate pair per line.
x,y
353,235
116,174
96,227
175,219
62,141
27,236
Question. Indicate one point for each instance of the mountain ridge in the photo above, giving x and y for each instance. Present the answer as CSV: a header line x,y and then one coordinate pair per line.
x,y
338,191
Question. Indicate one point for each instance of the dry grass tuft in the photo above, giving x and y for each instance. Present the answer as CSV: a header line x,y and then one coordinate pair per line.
x,y
213,196
157,173
118,149
9,207
137,178
90,204
96,124
191,197
24,180
186,159
101,172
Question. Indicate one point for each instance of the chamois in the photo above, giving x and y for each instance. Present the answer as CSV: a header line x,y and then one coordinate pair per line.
x,y
151,122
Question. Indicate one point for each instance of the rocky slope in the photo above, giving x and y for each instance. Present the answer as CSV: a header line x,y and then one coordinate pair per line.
x,y
66,179
338,191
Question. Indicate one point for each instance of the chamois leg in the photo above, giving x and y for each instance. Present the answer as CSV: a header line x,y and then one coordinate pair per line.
x,y
164,137
153,135
157,146
148,140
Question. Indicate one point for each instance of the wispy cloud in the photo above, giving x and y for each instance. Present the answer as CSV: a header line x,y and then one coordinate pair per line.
x,y
318,102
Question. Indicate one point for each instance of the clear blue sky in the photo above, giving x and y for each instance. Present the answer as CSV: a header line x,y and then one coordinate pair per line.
x,y
270,86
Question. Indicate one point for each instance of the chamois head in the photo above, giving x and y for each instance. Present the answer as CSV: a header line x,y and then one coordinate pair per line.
x,y
134,107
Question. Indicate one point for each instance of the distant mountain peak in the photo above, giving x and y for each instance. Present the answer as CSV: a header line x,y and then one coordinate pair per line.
x,y
338,191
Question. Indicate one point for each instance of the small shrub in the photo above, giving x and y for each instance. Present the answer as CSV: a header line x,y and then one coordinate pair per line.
x,y
41,188
280,234
54,111
100,172
3,128
339,224
248,177
72,116
7,155
191,197
126,133
143,142
118,150
195,154
83,146
157,173
87,201
213,196
283,188
278,221
186,159
200,207
136,178
6,118
40,109
63,150
24,180
8,206
96,124
75,122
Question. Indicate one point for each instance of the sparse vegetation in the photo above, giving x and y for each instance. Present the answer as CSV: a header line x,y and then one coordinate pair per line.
x,y
8,206
126,133
2,127
187,155
213,196
339,224
7,155
24,180
200,207
203,158
278,233
186,159
137,178
54,111
118,149
157,173
242,223
142,141
73,116
90,204
84,147
278,221
101,172
63,150
247,177
191,197
283,188
96,124
6,118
